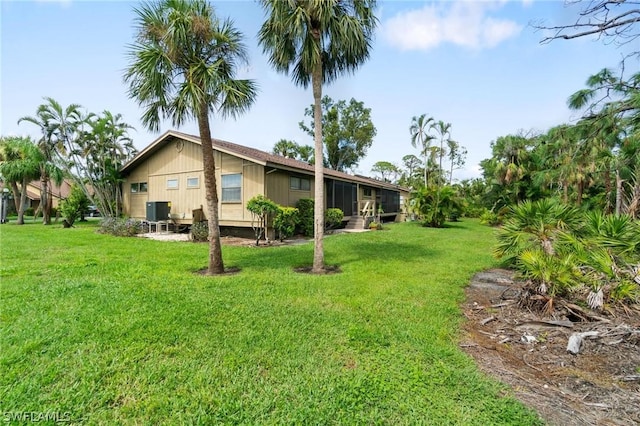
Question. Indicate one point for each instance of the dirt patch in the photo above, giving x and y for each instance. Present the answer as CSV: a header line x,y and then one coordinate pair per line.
x,y
226,241
598,386
227,271
327,270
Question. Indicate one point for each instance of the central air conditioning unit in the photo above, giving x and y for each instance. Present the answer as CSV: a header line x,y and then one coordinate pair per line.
x,y
158,210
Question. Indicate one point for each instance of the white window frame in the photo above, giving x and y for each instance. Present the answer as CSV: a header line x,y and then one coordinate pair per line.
x,y
224,196
197,182
171,186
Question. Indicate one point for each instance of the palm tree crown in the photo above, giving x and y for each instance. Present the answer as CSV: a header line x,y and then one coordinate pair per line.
x,y
300,34
184,60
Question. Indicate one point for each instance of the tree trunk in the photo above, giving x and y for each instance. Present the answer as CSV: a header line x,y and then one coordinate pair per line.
x,y
318,205
23,200
618,192
580,192
426,165
607,189
16,193
44,199
209,165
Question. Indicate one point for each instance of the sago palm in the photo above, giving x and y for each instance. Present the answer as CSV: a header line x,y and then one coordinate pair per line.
x,y
316,41
183,66
541,224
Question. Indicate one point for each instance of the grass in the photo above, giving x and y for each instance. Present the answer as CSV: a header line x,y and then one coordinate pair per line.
x,y
121,330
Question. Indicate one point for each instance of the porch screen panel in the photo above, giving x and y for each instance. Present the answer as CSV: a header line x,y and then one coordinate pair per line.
x,y
390,201
340,196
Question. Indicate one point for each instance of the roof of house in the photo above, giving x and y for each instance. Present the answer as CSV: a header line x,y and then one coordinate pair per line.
x,y
61,191
256,156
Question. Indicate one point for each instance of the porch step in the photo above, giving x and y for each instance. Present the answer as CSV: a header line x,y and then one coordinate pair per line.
x,y
356,222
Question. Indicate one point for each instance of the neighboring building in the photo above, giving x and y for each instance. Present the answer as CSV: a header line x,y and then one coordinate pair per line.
x,y
170,170
58,193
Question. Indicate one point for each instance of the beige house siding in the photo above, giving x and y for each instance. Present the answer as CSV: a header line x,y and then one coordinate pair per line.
x,y
279,188
178,162
177,158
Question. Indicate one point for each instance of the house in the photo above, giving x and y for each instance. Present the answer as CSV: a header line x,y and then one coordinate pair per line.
x,y
170,170
57,192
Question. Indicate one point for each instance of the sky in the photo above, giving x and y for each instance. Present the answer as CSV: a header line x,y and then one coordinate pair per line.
x,y
478,65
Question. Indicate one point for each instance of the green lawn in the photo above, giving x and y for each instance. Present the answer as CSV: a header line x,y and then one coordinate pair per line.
x,y
121,330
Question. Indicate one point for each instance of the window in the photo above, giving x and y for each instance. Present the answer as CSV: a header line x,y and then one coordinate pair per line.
x,y
366,192
172,183
299,184
231,188
137,187
193,182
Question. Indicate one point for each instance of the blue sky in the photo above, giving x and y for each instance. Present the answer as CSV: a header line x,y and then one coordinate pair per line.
x,y
476,64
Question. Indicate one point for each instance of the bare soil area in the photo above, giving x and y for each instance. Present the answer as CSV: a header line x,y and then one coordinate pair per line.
x,y
600,385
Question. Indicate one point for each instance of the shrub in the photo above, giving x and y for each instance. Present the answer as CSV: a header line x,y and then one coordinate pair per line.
x,y
30,211
260,208
120,227
434,205
490,218
72,207
333,218
285,222
305,209
200,231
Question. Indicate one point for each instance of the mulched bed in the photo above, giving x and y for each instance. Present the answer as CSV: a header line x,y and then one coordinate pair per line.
x,y
600,385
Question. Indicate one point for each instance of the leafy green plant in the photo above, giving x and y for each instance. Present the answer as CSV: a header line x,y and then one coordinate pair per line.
x,y
285,222
200,231
555,275
72,207
261,208
435,204
333,218
305,208
540,224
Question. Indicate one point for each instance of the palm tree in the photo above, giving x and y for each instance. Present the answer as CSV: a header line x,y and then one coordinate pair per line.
x,y
286,148
105,149
57,125
306,154
20,161
444,132
317,41
421,139
183,66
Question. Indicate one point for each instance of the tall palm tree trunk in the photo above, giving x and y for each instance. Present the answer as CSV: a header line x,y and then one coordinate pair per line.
x,y
23,200
44,199
318,205
16,193
426,167
209,163
619,182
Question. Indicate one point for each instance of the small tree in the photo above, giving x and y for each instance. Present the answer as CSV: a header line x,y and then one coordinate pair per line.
x,y
260,208
73,206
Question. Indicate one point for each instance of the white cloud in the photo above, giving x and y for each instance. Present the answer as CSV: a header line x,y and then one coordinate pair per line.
x,y
464,24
